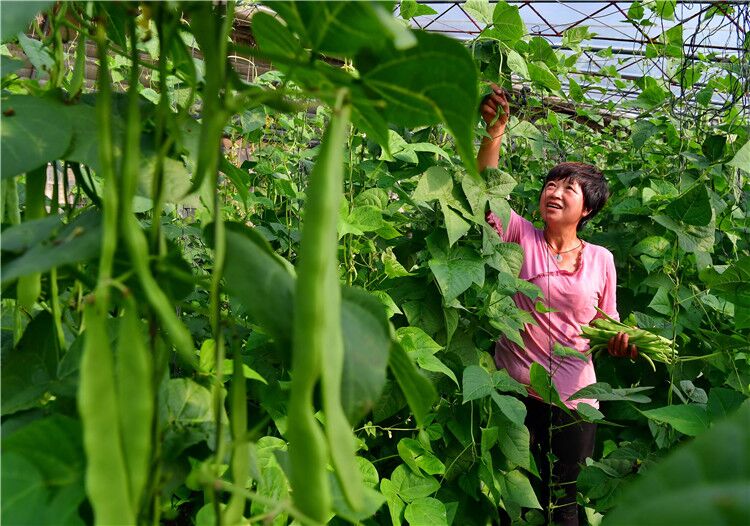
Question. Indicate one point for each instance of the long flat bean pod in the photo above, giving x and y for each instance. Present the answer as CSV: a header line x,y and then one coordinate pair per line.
x,y
106,474
135,395
651,347
318,341
30,286
135,239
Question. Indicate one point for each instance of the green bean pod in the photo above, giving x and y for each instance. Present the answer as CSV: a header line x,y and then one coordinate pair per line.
x,y
325,243
135,239
30,286
106,475
317,324
135,394
241,453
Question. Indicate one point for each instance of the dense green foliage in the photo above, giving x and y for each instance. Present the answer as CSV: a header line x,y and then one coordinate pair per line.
x,y
153,367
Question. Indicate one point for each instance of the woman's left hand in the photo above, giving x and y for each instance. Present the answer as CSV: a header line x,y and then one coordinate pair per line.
x,y
618,346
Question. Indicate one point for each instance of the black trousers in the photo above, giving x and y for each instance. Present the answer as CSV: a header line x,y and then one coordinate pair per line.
x,y
570,441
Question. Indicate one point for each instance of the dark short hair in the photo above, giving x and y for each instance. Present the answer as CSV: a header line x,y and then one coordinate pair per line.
x,y
593,185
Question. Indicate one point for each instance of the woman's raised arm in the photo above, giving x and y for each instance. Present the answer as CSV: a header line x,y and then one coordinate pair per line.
x,y
495,112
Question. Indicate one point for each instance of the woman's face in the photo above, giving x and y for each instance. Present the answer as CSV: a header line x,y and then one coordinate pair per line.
x,y
562,203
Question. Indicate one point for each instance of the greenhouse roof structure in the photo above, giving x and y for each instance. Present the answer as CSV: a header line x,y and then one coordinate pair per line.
x,y
620,41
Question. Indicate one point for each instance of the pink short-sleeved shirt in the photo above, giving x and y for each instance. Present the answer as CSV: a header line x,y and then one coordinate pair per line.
x,y
572,295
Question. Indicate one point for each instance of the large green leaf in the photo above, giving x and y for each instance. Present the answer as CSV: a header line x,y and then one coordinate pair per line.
x,y
20,238
508,23
540,74
417,457
542,384
274,37
76,242
733,284
605,393
432,82
35,130
187,410
24,493
641,131
456,271
44,461
367,340
18,15
269,296
513,441
741,159
515,487
411,486
343,28
692,208
426,511
418,390
30,369
703,483
435,183
477,382
722,403
689,419
691,238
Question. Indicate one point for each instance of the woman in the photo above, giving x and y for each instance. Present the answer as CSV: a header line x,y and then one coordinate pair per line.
x,y
575,276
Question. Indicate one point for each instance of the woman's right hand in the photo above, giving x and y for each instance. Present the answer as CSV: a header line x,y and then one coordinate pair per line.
x,y
495,111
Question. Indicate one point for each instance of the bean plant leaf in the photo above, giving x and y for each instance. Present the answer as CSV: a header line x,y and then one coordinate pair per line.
x,y
515,486
642,130
713,147
517,64
28,141
22,237
722,403
692,208
455,225
417,457
37,53
542,384
589,412
395,504
51,453
363,321
605,393
274,37
435,183
508,22
733,284
688,419
457,271
426,510
741,159
690,238
513,441
18,15
76,242
479,10
411,486
29,370
513,409
540,74
418,390
425,84
24,492
698,484
477,383
268,297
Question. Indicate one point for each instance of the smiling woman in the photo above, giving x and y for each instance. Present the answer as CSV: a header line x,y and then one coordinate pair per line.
x,y
576,278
